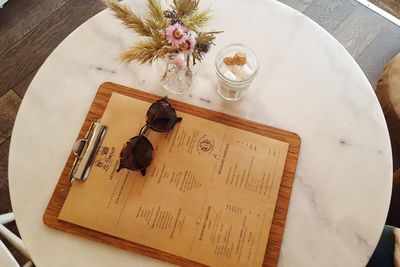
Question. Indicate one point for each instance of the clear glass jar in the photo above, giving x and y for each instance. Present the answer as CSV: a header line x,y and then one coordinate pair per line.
x,y
231,86
176,78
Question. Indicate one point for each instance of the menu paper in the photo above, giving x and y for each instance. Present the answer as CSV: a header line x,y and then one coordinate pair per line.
x,y
208,196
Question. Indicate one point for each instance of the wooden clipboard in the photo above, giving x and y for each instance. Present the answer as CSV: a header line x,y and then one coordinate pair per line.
x,y
97,108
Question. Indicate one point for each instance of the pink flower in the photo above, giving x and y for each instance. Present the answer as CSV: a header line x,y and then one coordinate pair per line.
x,y
188,44
175,35
179,60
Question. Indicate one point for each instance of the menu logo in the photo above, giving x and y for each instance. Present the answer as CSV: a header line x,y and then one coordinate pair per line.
x,y
104,157
205,144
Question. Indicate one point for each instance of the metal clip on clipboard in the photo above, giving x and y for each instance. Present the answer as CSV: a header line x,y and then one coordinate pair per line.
x,y
85,151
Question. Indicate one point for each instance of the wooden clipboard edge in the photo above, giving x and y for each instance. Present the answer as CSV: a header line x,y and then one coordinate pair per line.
x,y
50,217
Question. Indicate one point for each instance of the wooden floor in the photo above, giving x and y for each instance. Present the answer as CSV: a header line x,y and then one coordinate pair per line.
x,y
390,6
30,30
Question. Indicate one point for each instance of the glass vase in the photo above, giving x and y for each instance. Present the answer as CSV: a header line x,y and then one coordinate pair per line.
x,y
177,73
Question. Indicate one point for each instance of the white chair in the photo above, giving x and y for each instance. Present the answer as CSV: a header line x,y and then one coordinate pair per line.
x,y
2,2
6,258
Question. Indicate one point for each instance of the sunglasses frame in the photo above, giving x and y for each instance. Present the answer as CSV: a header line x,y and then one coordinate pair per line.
x,y
127,152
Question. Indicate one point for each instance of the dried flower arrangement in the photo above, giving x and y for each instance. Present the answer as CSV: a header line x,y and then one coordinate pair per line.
x,y
176,30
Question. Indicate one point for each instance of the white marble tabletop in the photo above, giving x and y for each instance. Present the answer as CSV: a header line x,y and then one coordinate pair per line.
x,y
307,84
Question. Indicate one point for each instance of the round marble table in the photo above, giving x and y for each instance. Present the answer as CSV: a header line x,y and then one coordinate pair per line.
x,y
307,84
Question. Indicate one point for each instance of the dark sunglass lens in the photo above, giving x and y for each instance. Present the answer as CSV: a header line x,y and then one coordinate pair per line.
x,y
137,154
161,116
163,124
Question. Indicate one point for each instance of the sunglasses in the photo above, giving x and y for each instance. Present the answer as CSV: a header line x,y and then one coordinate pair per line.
x,y
137,153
